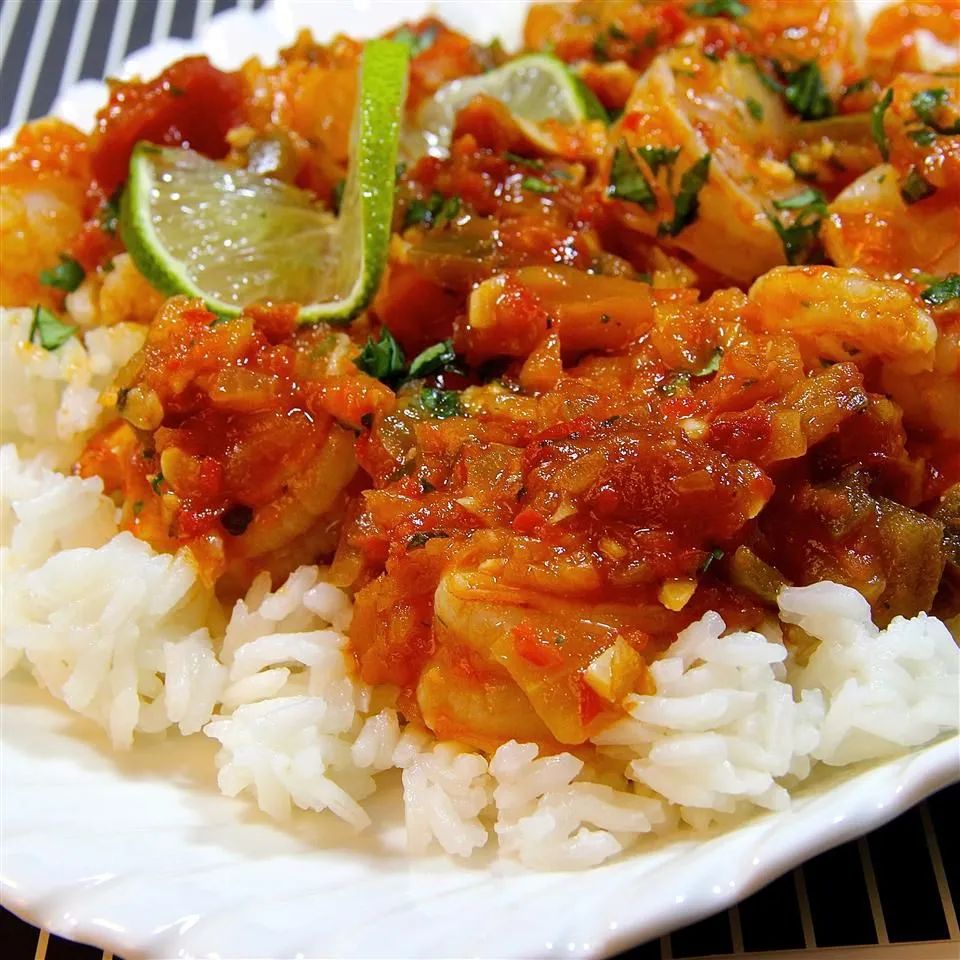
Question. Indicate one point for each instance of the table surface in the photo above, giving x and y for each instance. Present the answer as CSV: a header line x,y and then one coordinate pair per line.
x,y
894,893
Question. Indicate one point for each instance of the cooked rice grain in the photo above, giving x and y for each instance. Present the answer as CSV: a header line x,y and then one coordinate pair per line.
x,y
128,637
50,401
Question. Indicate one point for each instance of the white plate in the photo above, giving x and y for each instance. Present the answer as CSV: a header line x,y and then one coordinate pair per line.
x,y
139,853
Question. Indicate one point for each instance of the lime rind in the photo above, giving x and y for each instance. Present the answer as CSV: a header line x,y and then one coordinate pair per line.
x,y
367,205
535,88
229,237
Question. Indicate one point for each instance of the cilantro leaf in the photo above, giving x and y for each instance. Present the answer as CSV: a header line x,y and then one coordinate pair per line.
x,y
718,8
943,291
687,201
914,187
599,48
877,113
432,360
857,86
417,42
538,185
715,554
800,238
925,104
336,196
808,197
712,365
806,94
441,404
420,540
657,157
49,330
66,275
672,384
382,358
923,136
754,108
435,210
532,162
109,212
627,182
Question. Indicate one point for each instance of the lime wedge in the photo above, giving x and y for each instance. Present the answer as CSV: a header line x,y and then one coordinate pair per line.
x,y
230,237
535,87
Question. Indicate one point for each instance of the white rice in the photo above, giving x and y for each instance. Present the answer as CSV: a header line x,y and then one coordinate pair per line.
x,y
131,639
50,401
106,624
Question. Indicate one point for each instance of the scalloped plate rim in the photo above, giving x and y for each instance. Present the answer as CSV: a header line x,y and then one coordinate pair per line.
x,y
849,800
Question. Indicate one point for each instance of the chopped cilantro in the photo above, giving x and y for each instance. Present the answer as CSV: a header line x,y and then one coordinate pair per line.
x,y
432,360
801,165
66,275
943,291
687,201
156,482
922,136
593,108
712,365
599,48
137,507
857,87
926,103
718,8
877,113
806,94
435,210
627,182
419,540
754,108
336,196
441,404
537,185
109,213
808,197
417,42
682,378
670,386
915,187
715,554
49,330
657,157
522,161
800,238
382,358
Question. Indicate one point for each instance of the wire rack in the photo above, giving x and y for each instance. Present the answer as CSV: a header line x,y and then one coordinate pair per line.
x,y
892,894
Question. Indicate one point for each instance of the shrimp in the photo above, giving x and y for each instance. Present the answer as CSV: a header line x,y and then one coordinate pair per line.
x,y
118,295
43,188
870,226
837,314
931,399
902,215
914,36
510,313
534,643
692,108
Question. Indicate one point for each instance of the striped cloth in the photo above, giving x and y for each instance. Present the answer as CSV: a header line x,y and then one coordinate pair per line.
x,y
46,45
